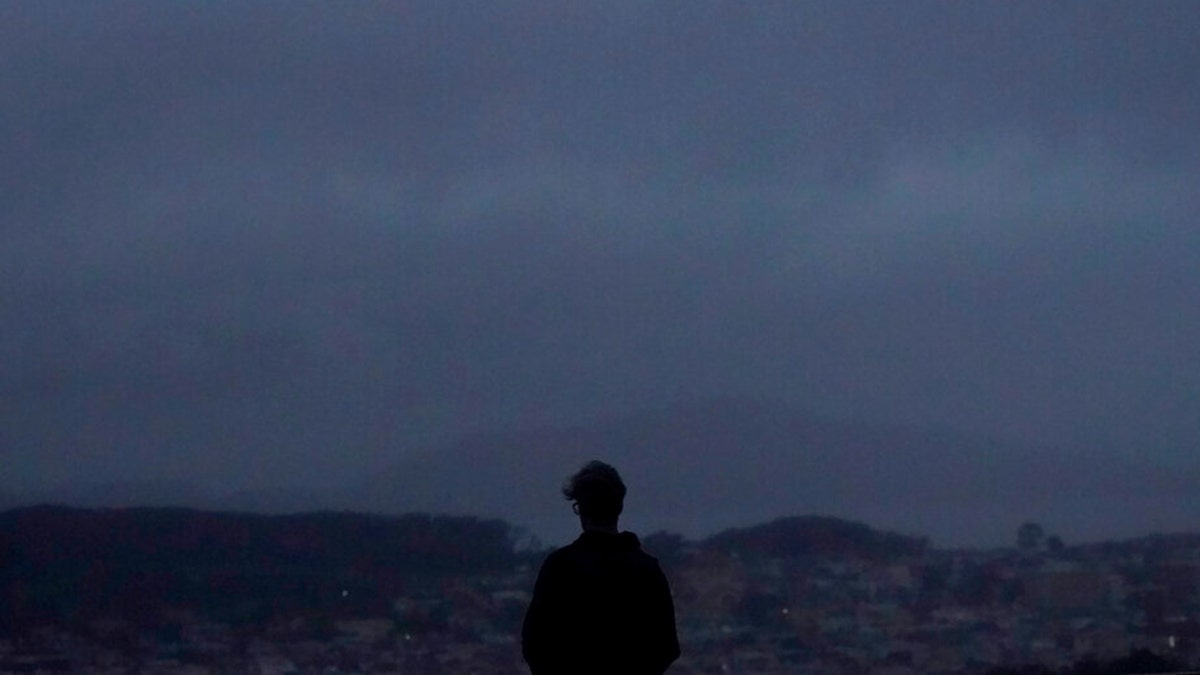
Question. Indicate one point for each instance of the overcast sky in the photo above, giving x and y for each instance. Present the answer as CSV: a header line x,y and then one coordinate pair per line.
x,y
274,243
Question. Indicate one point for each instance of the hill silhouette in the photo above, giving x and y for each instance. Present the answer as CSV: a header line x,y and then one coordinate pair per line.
x,y
58,562
63,565
704,467
816,536
701,468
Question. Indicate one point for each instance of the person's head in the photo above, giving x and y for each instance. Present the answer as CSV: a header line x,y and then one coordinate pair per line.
x,y
598,494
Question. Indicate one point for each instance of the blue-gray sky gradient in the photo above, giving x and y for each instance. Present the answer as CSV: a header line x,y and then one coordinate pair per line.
x,y
265,243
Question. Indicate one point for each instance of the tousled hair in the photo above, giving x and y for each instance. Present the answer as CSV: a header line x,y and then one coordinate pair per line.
x,y
597,491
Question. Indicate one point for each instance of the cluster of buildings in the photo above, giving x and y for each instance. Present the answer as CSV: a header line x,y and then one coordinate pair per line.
x,y
940,612
936,612
453,625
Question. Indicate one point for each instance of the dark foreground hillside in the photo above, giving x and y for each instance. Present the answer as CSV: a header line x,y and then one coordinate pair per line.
x,y
62,563
174,590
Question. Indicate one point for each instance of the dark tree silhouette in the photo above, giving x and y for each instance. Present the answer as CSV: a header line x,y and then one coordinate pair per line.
x,y
1055,545
1030,536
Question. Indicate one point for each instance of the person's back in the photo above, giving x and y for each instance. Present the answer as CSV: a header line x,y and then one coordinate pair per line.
x,y
601,604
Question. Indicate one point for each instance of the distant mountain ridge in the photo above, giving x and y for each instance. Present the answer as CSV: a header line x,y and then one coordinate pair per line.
x,y
799,536
703,468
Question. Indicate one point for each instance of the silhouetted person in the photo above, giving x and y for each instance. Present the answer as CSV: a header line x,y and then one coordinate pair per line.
x,y
601,605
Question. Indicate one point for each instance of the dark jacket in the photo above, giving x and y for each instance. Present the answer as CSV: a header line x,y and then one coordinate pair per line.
x,y
600,605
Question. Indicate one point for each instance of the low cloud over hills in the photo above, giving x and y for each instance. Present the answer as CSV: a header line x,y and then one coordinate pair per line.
x,y
702,468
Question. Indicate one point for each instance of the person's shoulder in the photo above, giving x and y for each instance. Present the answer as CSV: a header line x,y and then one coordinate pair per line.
x,y
556,563
559,553
646,556
633,545
564,553
647,561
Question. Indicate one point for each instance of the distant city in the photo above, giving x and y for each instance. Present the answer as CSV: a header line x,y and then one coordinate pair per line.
x,y
185,591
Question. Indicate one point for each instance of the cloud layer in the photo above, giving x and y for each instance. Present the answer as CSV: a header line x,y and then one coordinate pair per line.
x,y
269,243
